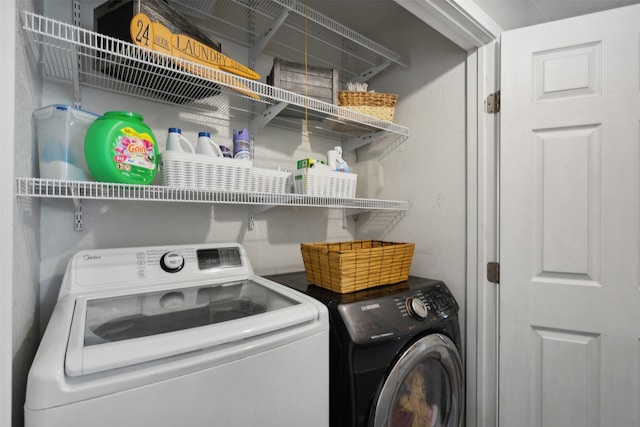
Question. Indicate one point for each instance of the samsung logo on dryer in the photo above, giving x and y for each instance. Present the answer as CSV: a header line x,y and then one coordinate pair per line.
x,y
370,307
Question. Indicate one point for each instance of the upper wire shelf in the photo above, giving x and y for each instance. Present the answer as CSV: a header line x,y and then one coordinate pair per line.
x,y
286,23
84,57
50,188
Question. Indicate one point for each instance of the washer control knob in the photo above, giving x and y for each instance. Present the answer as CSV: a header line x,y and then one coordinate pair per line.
x,y
172,262
416,308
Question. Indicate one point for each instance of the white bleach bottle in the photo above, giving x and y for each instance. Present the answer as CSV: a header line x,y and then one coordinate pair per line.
x,y
206,145
177,142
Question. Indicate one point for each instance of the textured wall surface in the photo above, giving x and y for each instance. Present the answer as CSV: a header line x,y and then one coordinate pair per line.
x,y
26,247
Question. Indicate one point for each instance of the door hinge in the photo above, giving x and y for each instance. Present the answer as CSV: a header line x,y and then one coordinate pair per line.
x,y
493,103
493,272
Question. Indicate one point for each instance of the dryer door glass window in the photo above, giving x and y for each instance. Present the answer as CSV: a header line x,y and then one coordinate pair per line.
x,y
424,388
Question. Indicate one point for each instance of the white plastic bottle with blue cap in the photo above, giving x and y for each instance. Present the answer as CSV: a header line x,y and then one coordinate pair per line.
x,y
176,141
206,145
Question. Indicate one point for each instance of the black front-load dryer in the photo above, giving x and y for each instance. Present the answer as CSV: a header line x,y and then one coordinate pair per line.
x,y
394,354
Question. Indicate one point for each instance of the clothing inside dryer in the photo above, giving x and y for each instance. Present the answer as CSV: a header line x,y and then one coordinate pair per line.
x,y
423,398
139,315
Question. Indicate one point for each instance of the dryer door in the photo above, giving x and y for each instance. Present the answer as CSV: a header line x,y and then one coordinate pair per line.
x,y
423,388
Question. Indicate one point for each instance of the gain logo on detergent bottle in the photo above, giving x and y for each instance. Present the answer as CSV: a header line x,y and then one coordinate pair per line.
x,y
120,147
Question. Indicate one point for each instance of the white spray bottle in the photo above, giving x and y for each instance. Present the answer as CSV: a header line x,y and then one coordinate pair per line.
x,y
341,165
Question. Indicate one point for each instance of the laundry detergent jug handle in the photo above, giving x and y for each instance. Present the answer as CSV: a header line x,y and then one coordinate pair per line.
x,y
206,145
176,141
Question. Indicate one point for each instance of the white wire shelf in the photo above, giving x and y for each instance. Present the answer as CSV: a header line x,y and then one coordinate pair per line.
x,y
86,58
61,189
285,23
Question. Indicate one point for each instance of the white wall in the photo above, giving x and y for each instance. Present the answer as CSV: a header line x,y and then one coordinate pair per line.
x,y
429,169
26,221
7,217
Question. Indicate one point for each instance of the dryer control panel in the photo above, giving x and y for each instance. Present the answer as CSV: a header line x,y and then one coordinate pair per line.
x,y
393,316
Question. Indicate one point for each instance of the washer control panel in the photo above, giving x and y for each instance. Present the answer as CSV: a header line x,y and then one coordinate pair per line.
x,y
145,266
392,316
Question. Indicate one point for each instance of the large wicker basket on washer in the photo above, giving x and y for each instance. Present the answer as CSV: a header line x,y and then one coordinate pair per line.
x,y
345,267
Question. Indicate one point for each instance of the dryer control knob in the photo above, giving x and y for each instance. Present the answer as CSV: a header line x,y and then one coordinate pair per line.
x,y
416,308
172,262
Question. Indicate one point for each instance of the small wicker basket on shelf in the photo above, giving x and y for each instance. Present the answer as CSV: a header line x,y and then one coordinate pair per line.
x,y
375,104
346,267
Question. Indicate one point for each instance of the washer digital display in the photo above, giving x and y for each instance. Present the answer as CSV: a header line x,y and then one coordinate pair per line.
x,y
218,258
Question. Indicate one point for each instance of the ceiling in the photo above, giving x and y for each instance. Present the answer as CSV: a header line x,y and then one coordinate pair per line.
x,y
510,14
468,23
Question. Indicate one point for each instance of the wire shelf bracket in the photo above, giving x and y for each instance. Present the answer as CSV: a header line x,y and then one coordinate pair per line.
x,y
78,215
371,72
267,116
263,41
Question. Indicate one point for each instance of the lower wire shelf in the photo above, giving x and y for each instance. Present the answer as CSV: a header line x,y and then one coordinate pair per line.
x,y
50,188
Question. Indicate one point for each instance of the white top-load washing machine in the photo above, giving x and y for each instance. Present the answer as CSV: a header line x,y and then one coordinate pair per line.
x,y
179,336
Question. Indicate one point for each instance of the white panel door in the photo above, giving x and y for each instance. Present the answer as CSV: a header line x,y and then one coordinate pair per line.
x,y
570,223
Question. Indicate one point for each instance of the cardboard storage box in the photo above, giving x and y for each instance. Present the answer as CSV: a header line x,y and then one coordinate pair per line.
x,y
317,82
113,19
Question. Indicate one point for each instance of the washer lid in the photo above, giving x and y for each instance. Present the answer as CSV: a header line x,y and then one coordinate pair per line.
x,y
113,332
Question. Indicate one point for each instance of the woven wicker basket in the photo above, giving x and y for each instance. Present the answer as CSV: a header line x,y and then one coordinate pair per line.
x,y
380,105
345,267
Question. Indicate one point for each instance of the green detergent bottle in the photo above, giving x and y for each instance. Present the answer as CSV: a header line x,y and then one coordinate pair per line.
x,y
120,147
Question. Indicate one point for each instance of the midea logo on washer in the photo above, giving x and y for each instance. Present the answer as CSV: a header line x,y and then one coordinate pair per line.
x,y
90,257
369,307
